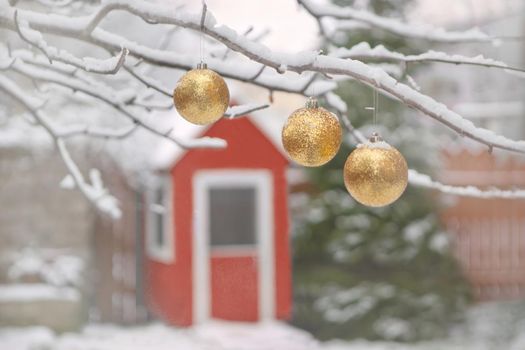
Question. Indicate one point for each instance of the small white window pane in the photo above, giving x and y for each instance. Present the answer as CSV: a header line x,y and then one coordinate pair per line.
x,y
159,218
160,226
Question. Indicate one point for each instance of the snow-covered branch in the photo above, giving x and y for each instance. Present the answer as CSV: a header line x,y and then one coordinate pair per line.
x,y
112,99
55,3
254,63
363,52
256,52
394,26
35,38
77,28
422,180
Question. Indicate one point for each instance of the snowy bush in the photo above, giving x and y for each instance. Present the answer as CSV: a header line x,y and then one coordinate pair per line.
x,y
56,270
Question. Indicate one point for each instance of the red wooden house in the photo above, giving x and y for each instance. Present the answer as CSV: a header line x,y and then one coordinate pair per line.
x,y
217,242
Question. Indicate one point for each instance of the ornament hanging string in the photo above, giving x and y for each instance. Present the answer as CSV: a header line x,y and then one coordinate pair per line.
x,y
201,95
314,92
203,19
376,106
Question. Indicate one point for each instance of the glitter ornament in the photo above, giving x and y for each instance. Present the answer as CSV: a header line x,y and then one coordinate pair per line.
x,y
201,96
312,135
375,173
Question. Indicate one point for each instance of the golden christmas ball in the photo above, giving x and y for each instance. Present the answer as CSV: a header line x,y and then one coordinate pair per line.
x,y
312,135
375,173
201,96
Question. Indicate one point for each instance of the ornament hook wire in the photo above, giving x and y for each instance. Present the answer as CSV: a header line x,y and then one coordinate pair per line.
x,y
314,92
375,135
376,105
312,103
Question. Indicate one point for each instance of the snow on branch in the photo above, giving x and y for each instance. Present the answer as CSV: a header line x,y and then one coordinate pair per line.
x,y
426,181
75,28
112,99
259,66
35,38
55,3
394,26
302,62
94,192
363,52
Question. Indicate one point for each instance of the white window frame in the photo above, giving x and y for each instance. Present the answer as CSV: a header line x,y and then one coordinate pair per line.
x,y
166,252
262,180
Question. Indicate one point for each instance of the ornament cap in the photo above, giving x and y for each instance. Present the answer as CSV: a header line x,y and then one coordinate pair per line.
x,y
202,65
375,137
312,103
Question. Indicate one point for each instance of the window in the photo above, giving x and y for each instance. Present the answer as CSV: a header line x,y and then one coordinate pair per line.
x,y
160,226
232,216
158,211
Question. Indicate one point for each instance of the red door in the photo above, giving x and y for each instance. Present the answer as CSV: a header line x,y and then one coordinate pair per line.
x,y
233,252
233,268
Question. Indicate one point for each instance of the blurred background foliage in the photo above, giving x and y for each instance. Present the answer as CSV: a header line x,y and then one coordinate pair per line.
x,y
375,273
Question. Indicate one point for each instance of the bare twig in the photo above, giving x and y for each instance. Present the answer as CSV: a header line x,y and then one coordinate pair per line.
x,y
243,110
148,81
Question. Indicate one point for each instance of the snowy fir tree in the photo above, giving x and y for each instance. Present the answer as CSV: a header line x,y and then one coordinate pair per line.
x,y
385,273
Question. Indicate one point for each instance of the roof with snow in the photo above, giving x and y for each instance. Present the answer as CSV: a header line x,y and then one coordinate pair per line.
x,y
167,153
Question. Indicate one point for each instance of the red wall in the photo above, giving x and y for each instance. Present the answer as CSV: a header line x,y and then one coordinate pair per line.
x,y
170,286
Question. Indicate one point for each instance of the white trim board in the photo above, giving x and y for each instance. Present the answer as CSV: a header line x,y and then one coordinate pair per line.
x,y
262,181
166,253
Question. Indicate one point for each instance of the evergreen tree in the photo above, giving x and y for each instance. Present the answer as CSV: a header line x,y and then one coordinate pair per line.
x,y
383,273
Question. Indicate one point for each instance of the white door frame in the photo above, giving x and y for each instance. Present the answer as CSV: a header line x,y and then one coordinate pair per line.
x,y
262,181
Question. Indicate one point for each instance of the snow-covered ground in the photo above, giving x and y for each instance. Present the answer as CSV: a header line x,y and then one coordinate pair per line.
x,y
488,327
212,336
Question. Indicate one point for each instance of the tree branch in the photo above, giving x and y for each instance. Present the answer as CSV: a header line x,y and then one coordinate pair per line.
x,y
259,53
97,195
35,38
393,26
107,96
31,25
364,52
243,110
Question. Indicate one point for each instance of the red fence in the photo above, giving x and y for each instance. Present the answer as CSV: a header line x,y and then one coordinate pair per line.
x,y
488,234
